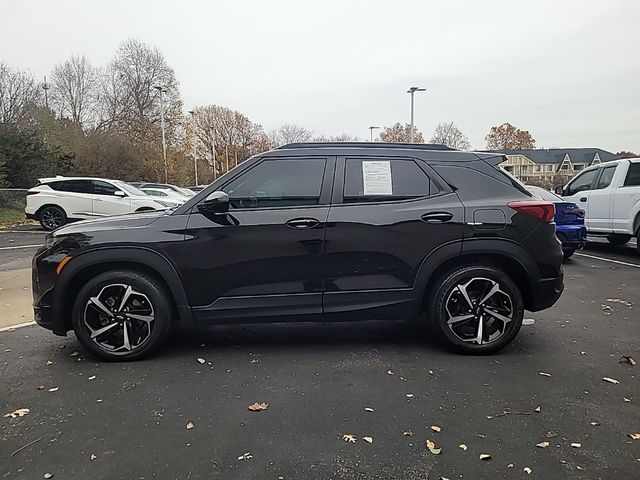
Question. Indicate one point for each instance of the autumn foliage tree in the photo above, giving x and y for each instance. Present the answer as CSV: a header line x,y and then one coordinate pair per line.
x,y
399,133
508,137
626,154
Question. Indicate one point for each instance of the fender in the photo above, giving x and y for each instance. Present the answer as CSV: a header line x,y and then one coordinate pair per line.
x,y
145,256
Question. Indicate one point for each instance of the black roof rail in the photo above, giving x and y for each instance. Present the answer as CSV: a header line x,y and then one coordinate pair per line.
x,y
412,146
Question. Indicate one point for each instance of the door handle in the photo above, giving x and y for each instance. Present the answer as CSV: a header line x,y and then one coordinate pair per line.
x,y
436,217
300,223
583,199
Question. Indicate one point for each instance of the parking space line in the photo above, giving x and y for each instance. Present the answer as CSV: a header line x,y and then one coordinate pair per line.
x,y
19,325
17,247
609,260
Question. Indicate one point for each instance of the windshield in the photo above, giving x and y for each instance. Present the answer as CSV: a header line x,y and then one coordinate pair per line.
x,y
130,189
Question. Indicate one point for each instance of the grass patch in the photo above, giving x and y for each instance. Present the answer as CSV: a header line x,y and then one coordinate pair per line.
x,y
12,216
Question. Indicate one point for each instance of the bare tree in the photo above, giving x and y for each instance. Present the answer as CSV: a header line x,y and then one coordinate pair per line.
x,y
398,133
289,133
74,89
18,92
450,135
343,137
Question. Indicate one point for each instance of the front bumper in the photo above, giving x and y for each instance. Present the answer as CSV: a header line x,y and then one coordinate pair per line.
x,y
546,292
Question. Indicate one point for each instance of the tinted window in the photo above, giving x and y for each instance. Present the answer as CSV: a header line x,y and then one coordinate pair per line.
x,y
54,185
605,179
75,186
278,183
103,188
633,175
368,180
582,182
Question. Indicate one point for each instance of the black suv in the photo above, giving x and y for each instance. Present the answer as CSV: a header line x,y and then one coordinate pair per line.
x,y
313,232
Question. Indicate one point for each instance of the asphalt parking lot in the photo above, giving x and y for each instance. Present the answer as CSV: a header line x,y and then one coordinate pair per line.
x,y
378,380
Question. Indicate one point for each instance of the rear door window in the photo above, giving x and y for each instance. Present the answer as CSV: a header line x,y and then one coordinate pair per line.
x,y
379,179
75,186
605,178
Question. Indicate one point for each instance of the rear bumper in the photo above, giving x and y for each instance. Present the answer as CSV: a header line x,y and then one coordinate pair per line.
x,y
546,292
572,236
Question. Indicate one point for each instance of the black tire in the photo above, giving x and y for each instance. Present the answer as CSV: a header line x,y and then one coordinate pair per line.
x,y
618,238
478,278
52,217
567,252
147,299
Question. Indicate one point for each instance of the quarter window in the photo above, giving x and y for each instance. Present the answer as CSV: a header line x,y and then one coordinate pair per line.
x,y
605,179
633,175
374,180
581,182
278,183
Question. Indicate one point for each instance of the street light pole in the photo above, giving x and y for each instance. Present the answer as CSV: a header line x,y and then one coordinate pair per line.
x,y
371,129
413,90
162,90
193,144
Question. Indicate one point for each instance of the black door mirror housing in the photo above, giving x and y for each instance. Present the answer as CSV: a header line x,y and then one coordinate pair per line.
x,y
558,190
216,202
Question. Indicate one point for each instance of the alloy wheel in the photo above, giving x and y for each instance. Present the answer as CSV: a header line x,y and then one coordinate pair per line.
x,y
479,311
52,218
119,318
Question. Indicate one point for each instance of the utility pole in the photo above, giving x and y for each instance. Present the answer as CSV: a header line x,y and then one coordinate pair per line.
x,y
413,90
213,150
46,87
371,129
226,154
162,90
193,144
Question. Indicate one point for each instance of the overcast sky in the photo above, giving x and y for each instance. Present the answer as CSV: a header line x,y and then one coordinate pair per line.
x,y
566,70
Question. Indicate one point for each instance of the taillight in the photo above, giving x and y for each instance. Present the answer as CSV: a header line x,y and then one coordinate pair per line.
x,y
578,212
545,211
32,192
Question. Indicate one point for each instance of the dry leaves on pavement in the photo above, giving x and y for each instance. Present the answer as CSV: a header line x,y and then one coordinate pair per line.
x,y
627,359
431,446
634,436
610,380
201,361
542,444
463,447
407,433
245,456
436,428
258,407
349,438
485,456
20,412
368,439
544,374
190,425
527,470
576,445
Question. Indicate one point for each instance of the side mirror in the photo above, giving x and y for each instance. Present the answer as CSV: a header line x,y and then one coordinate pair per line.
x,y
119,193
216,202
558,190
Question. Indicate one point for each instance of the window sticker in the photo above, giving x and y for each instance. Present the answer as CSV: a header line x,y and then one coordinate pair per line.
x,y
376,178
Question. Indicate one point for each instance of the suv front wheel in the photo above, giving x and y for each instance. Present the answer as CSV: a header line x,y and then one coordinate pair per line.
x,y
122,315
477,309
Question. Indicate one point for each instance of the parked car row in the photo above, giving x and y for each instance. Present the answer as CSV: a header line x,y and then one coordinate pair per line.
x,y
59,200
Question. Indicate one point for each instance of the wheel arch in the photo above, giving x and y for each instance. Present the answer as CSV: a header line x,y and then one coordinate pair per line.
x,y
45,205
91,263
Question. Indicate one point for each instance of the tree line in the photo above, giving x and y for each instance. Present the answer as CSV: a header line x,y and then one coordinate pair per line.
x,y
106,121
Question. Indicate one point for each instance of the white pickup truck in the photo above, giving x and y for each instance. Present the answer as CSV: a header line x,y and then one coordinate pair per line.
x,y
609,193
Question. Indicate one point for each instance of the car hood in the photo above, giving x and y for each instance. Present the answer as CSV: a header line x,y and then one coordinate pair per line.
x,y
128,220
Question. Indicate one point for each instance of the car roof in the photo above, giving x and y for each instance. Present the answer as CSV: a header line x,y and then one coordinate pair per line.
x,y
61,178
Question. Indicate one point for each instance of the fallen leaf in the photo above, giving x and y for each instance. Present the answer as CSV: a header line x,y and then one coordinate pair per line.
x,y
93,456
576,445
634,436
527,470
619,300
390,372
510,465
409,395
431,446
544,374
368,439
542,444
49,362
258,407
75,354
606,309
41,387
583,353
201,360
92,377
594,424
368,409
407,433
485,456
190,425
610,380
245,456
436,428
349,438
54,389
463,447
627,359
626,399
47,475
20,412
537,409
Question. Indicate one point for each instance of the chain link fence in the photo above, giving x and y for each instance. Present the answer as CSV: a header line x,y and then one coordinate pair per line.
x,y
12,203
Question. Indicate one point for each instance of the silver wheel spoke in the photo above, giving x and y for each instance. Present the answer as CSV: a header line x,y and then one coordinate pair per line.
x,y
478,338
100,331
494,289
144,318
125,297
497,315
460,318
96,301
463,290
125,334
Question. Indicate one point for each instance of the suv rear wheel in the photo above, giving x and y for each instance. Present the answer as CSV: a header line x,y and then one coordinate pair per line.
x,y
52,217
618,238
477,309
122,315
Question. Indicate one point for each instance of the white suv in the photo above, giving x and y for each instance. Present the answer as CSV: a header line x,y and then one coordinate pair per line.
x,y
56,201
